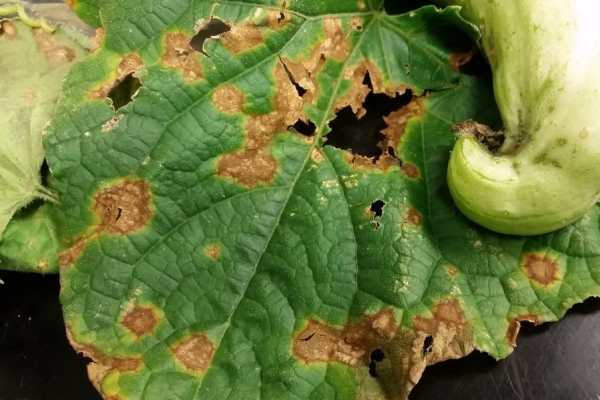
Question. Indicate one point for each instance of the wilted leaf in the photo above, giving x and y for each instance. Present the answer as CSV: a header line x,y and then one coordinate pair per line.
x,y
216,253
33,64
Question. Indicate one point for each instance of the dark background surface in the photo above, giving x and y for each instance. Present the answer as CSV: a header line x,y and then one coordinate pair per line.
x,y
557,361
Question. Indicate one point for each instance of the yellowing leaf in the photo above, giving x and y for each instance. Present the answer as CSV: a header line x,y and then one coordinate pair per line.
x,y
33,64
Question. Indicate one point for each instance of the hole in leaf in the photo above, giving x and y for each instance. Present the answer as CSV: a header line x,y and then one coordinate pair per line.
x,y
303,128
427,344
377,208
123,92
373,369
377,356
363,136
212,30
119,212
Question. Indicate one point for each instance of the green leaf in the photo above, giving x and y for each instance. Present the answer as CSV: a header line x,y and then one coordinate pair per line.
x,y
33,64
215,253
30,242
87,10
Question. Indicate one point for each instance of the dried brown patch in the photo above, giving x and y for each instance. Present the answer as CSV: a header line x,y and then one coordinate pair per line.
x,y
56,54
97,39
242,38
8,30
541,269
102,364
140,320
195,352
335,45
457,60
397,120
452,271
130,65
228,99
405,356
384,163
317,156
112,123
514,325
413,217
410,170
254,164
512,332
71,3
124,207
179,54
318,342
213,251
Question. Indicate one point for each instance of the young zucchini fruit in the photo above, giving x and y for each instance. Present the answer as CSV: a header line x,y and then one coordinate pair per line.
x,y
545,58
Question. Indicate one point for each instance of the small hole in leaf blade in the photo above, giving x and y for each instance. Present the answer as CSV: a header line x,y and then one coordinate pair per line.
x,y
304,128
377,208
123,92
213,29
427,344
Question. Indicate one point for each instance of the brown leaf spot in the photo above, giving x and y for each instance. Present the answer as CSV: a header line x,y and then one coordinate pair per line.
x,y
254,164
124,207
29,96
397,120
405,359
56,54
70,256
42,265
410,170
413,217
127,364
315,343
541,269
457,60
180,55
317,156
452,270
130,65
228,99
140,320
8,30
242,38
112,123
248,167
213,251
195,352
